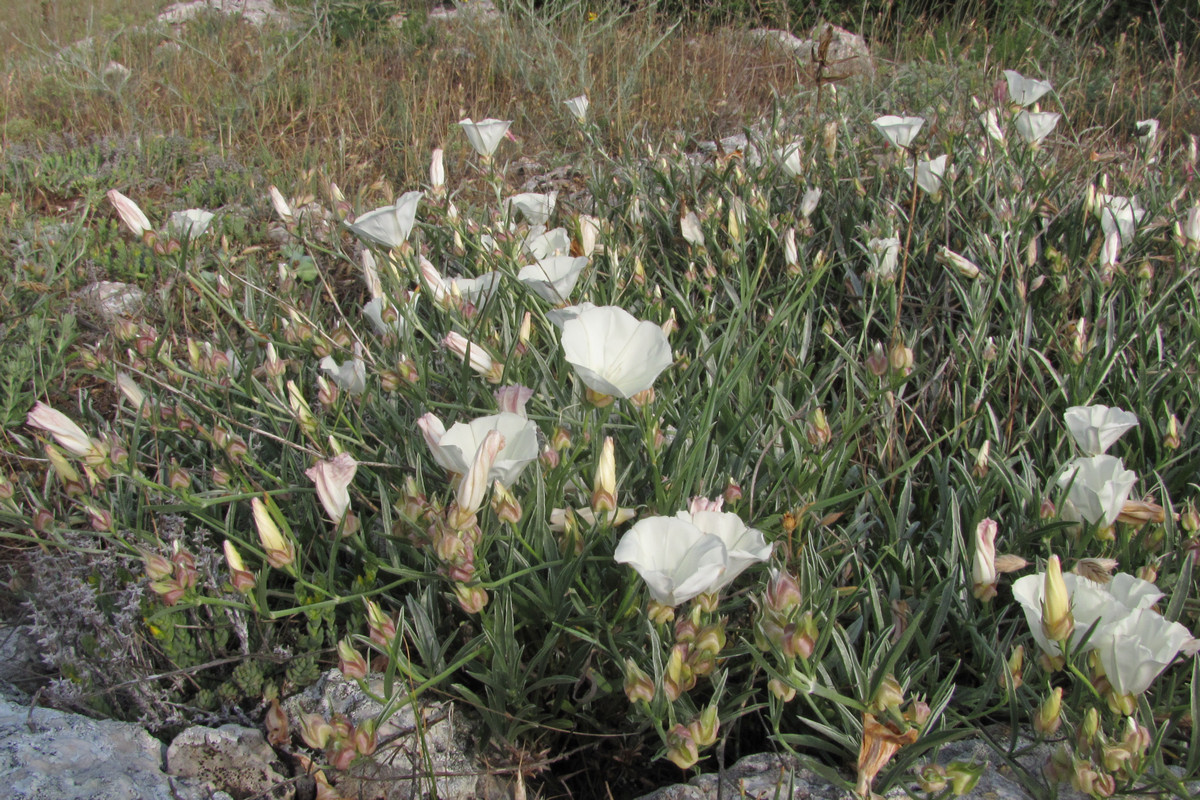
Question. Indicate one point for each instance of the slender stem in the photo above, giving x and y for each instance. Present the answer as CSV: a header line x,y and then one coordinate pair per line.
x,y
912,213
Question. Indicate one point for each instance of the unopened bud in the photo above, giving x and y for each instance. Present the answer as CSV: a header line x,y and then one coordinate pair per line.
x,y
900,359
980,470
505,504
889,695
681,748
1049,714
638,685
818,431
704,728
351,662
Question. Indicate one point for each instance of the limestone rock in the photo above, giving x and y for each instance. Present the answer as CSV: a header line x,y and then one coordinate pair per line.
x,y
235,759
433,758
52,755
256,12
847,54
765,776
111,300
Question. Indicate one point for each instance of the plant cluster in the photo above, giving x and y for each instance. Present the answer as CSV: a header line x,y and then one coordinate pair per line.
x,y
715,453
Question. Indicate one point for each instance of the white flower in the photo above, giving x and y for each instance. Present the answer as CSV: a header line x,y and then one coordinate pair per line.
x,y
1189,228
130,213
791,255
1110,251
1036,125
689,226
578,106
189,224
1095,428
536,207
552,279
675,558
1136,649
808,204
899,131
332,477
561,316
476,291
1147,132
1025,91
555,242
513,398
350,375
1091,604
990,121
1119,214
456,448
1099,487
62,428
790,158
929,173
885,254
744,545
485,135
983,565
613,352
131,391
589,232
280,203
374,312
437,170
388,226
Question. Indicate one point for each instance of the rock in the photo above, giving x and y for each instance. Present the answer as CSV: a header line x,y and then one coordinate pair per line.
x,y
52,755
466,9
256,12
111,300
765,776
20,670
232,758
847,55
435,758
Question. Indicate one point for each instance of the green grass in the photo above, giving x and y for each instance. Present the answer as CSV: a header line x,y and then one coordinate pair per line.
x,y
865,476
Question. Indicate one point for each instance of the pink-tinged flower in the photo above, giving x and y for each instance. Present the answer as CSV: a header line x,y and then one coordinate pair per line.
x,y
485,135
64,431
476,481
333,477
389,226
675,558
613,352
513,398
744,546
189,224
699,503
984,564
130,214
456,447
475,356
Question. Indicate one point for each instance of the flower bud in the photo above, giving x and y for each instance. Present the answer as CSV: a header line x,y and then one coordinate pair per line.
x,y
1171,439
877,362
984,564
380,627
638,685
1057,622
783,592
604,491
900,359
315,731
471,599
504,504
681,748
704,728
818,431
301,410
963,777
889,695
1013,675
240,577
781,689
958,263
351,663
980,469
1049,714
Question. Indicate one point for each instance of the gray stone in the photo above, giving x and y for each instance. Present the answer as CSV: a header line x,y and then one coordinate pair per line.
x,y
111,300
20,672
765,776
411,759
847,54
256,12
235,759
466,9
53,755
